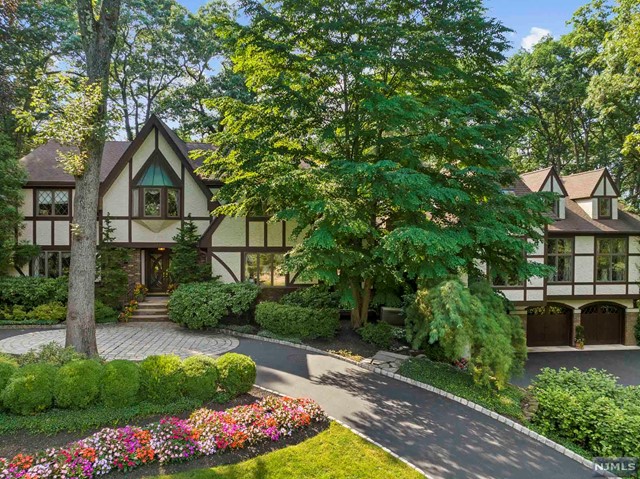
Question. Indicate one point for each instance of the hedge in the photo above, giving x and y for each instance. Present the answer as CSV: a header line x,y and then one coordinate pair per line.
x,y
120,383
379,334
30,292
317,297
201,378
161,378
77,384
296,321
30,389
199,305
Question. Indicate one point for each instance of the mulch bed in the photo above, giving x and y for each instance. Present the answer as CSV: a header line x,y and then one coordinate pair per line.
x,y
346,339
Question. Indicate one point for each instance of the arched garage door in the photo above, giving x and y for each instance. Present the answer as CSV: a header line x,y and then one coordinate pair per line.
x,y
602,323
549,325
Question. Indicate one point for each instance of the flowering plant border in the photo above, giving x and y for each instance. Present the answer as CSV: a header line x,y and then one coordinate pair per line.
x,y
205,433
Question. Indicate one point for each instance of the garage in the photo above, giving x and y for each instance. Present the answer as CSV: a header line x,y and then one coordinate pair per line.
x,y
603,323
549,325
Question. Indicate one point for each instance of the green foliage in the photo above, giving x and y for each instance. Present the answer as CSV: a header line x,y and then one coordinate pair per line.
x,y
105,314
8,367
161,378
54,311
379,334
580,334
590,409
110,264
187,263
13,313
317,297
198,305
469,322
51,353
29,292
120,383
296,321
30,389
200,378
237,373
77,384
451,379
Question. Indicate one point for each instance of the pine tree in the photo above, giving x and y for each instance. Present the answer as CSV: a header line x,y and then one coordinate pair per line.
x,y
111,260
186,265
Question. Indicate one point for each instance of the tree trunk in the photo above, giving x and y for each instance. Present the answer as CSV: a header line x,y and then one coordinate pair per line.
x,y
98,36
362,297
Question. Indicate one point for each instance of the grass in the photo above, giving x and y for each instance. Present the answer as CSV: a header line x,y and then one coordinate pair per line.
x,y
61,420
336,453
443,376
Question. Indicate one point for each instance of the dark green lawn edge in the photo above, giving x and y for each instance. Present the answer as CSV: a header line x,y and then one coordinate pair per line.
x,y
28,322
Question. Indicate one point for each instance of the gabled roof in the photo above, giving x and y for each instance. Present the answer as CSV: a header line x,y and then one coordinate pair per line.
x,y
536,180
583,185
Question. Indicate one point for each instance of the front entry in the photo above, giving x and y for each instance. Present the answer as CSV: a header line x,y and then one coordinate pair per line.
x,y
157,274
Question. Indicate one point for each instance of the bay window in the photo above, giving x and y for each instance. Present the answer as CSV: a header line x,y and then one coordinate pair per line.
x,y
157,190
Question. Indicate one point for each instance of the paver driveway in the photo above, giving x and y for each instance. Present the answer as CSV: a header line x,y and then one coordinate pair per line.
x,y
133,341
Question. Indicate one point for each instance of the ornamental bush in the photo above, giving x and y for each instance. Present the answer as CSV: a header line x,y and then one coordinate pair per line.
x,y
7,369
200,378
199,305
51,353
53,311
318,297
77,384
105,314
30,389
30,291
120,383
296,321
161,378
237,374
379,334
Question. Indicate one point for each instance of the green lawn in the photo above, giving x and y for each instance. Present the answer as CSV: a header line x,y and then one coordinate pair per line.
x,y
336,453
505,402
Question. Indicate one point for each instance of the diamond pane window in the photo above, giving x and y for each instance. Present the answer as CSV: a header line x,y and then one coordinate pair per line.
x,y
45,202
61,207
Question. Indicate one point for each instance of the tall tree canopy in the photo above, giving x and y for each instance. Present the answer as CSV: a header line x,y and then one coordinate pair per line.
x,y
379,128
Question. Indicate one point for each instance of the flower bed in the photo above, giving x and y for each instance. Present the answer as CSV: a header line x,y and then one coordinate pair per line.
x,y
172,439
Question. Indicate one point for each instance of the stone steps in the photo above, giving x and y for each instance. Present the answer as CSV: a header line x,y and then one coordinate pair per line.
x,y
152,309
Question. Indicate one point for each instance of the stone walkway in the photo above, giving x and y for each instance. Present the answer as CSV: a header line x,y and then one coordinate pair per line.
x,y
386,360
133,341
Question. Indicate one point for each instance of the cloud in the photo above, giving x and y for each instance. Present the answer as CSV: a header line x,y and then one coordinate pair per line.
x,y
535,35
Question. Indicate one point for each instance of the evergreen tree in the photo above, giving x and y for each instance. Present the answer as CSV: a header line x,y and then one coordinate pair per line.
x,y
114,281
186,265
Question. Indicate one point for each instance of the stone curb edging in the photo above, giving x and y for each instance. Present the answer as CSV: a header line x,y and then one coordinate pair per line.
x,y
359,434
32,326
465,402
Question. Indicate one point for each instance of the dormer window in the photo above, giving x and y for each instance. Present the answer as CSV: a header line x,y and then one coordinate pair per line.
x,y
604,208
156,191
556,206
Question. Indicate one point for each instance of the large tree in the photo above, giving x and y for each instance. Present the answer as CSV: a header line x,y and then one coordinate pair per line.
x,y
378,128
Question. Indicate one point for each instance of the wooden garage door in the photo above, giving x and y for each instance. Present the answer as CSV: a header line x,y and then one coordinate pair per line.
x,y
549,326
602,324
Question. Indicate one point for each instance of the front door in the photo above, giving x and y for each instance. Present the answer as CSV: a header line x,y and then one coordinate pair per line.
x,y
158,261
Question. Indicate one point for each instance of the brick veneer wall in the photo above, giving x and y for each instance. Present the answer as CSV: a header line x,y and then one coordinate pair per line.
x,y
630,320
133,268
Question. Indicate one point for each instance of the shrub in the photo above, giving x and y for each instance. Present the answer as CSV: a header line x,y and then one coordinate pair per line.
x,y
7,368
13,313
200,378
30,389
198,305
105,314
379,334
187,265
51,353
297,321
77,384
29,291
317,297
53,311
237,374
161,378
110,265
120,383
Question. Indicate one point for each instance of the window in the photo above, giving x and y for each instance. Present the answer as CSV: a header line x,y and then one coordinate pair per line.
x,y
560,256
556,207
604,208
52,264
265,269
53,203
173,203
611,260
157,192
500,279
151,200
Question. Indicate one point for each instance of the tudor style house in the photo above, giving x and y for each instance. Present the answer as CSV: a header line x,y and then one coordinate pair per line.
x,y
149,187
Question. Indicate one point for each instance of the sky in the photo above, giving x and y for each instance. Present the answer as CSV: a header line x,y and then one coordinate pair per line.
x,y
531,20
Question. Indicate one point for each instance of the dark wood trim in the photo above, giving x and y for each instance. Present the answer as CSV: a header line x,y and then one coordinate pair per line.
x,y
130,192
226,266
49,184
250,249
53,216
143,245
205,240
592,296
159,159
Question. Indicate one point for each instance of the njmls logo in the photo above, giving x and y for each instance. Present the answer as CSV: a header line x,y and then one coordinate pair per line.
x,y
615,466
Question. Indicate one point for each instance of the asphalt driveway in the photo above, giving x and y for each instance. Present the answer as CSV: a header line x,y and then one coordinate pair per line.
x,y
624,364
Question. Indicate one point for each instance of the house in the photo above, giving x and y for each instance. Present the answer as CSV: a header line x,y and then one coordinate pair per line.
x,y
594,247
149,187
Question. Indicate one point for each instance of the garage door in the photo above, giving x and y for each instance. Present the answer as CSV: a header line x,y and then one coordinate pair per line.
x,y
602,324
549,326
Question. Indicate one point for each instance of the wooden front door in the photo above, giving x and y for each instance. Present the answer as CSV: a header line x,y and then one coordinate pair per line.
x,y
158,270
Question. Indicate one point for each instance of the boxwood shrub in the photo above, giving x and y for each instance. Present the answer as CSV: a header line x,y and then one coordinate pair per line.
x,y
379,334
53,311
297,321
237,374
199,305
120,383
200,378
7,369
30,292
161,378
30,389
77,384
318,297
